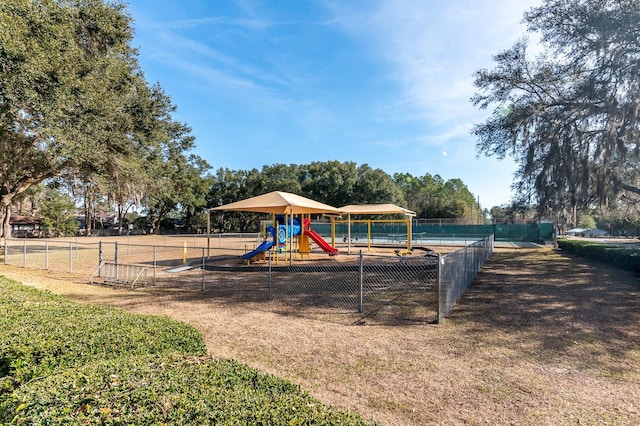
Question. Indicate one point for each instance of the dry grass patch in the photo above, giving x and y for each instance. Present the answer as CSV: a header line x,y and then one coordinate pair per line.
x,y
539,338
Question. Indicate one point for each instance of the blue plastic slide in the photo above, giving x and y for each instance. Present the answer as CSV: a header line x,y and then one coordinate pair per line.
x,y
264,246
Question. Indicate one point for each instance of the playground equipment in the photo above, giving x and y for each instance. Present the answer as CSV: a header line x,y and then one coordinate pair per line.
x,y
275,202
375,209
286,228
263,247
310,233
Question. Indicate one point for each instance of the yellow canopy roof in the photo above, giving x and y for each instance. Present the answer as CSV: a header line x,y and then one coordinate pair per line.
x,y
279,203
376,209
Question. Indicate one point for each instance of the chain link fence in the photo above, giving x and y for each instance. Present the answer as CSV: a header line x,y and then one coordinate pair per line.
x,y
381,288
457,269
52,255
112,262
398,287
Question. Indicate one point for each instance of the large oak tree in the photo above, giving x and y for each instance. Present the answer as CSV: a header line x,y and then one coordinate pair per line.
x,y
72,95
570,115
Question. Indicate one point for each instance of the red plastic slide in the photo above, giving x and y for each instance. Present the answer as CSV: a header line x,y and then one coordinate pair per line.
x,y
321,242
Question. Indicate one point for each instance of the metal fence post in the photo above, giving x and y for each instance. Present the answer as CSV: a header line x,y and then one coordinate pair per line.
x,y
24,255
155,263
438,288
70,257
116,258
100,258
361,278
46,255
202,267
5,251
270,279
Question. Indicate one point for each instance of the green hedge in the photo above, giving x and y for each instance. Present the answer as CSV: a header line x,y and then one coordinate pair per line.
x,y
41,332
621,257
68,363
170,390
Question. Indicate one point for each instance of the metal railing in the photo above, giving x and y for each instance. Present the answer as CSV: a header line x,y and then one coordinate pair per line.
x,y
120,274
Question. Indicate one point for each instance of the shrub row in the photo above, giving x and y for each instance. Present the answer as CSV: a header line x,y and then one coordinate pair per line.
x,y
41,332
68,363
170,390
621,257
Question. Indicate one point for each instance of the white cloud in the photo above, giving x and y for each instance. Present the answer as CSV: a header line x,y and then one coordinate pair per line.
x,y
406,109
433,49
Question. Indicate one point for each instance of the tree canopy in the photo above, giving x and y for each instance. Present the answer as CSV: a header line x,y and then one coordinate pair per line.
x,y
74,102
570,115
433,197
58,213
338,184
68,79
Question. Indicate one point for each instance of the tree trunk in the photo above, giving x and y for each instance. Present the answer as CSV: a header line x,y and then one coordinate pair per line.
x,y
88,225
120,215
187,221
162,212
5,216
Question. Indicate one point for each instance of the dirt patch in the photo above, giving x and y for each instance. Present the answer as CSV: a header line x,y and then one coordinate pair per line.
x,y
539,338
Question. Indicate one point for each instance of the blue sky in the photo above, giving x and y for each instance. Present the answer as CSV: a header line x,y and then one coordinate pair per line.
x,y
379,82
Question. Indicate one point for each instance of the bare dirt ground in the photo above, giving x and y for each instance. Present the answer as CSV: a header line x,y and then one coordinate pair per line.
x,y
539,338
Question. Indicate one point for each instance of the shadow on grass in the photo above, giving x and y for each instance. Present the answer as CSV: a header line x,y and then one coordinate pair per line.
x,y
556,306
389,298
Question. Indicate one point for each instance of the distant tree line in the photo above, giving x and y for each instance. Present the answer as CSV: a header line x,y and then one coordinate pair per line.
x,y
185,197
338,184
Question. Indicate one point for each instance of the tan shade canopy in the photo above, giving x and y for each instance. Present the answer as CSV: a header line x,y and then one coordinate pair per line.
x,y
376,209
279,203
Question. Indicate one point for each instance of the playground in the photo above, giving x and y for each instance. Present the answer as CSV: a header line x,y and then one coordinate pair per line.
x,y
289,234
288,260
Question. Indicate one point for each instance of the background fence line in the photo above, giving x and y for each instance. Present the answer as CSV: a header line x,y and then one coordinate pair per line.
x,y
440,233
419,286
